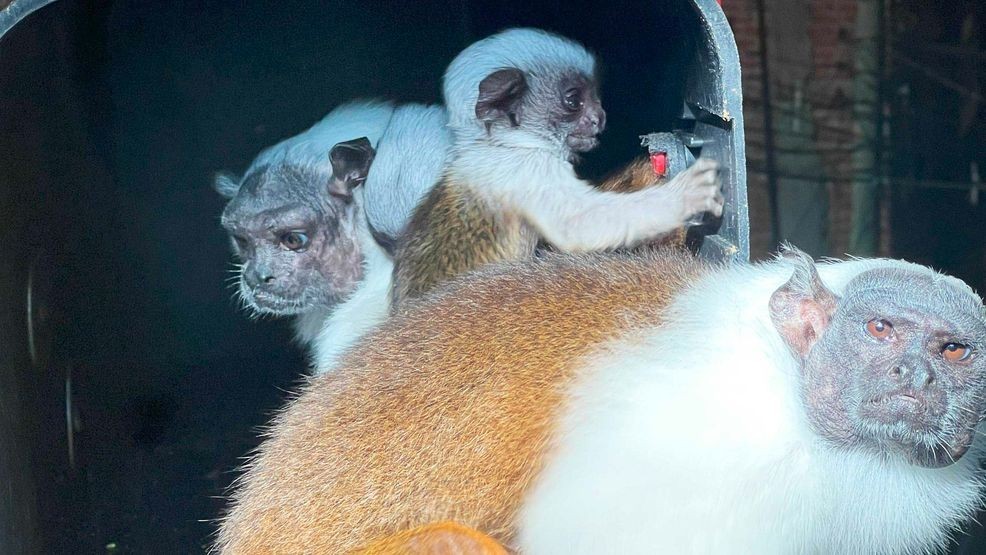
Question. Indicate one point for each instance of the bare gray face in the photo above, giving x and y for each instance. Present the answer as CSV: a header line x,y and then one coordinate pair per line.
x,y
896,365
563,108
294,231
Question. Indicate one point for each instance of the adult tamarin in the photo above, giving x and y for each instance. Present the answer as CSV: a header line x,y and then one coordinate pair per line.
x,y
522,104
301,219
649,404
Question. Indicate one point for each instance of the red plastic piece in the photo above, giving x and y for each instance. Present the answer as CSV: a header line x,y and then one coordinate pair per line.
x,y
659,161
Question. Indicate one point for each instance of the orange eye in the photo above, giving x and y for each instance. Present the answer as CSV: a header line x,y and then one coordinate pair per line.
x,y
956,352
880,329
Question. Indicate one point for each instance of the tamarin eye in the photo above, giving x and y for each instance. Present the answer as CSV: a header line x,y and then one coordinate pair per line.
x,y
880,328
573,99
956,352
294,240
241,242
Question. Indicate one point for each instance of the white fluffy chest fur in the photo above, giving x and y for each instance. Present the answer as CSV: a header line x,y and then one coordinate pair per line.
x,y
692,439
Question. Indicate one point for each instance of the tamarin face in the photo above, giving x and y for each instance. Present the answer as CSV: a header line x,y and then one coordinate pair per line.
x,y
895,365
295,233
576,112
297,249
561,107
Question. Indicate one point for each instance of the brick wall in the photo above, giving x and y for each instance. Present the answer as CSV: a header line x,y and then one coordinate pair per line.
x,y
824,90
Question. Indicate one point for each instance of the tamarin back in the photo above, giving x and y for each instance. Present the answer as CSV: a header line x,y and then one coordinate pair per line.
x,y
452,232
447,411
636,176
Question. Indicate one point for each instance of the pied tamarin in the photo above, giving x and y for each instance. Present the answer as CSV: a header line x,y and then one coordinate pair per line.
x,y
649,404
294,225
305,216
522,104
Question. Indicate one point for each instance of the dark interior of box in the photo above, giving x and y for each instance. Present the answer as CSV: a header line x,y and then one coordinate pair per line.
x,y
113,117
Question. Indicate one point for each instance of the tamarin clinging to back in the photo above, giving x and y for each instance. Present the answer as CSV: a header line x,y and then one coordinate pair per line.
x,y
522,104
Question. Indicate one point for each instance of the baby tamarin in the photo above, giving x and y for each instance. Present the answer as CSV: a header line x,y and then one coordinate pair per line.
x,y
522,104
649,404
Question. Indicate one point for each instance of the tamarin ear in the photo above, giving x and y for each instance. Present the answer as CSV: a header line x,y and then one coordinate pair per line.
x,y
500,95
351,162
802,308
226,184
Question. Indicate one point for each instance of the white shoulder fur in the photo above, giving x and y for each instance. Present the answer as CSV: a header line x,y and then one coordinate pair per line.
x,y
410,158
365,308
731,471
308,325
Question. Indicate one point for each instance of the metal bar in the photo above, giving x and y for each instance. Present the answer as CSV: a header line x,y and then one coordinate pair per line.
x,y
941,79
714,106
768,127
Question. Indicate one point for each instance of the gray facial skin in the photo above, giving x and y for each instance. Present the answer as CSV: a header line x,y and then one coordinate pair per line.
x,y
895,366
294,232
562,109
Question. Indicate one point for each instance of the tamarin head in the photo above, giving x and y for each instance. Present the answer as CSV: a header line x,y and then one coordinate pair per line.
x,y
526,87
294,231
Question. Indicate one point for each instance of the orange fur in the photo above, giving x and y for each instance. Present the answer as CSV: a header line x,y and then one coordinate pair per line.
x,y
447,538
447,410
453,231
640,175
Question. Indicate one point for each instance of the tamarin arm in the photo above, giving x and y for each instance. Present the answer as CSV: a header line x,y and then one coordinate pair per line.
x,y
638,175
574,216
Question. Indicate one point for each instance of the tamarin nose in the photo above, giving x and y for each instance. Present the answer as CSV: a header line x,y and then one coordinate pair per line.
x,y
918,374
598,119
262,275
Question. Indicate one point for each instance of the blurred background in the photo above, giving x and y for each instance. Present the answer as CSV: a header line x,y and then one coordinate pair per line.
x,y
131,384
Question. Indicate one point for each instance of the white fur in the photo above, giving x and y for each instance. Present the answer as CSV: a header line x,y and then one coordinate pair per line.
x,y
365,308
366,118
529,50
530,173
410,158
691,439
308,325
568,212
